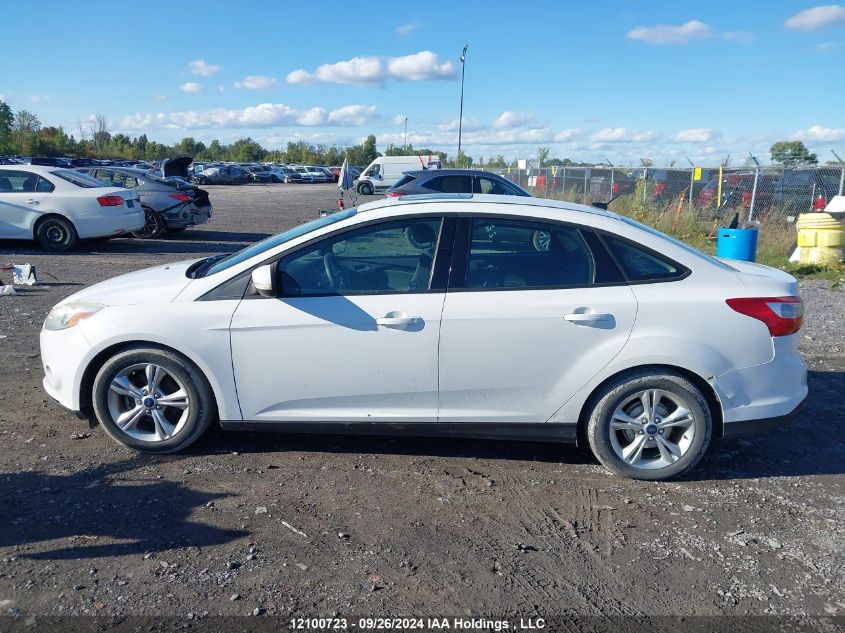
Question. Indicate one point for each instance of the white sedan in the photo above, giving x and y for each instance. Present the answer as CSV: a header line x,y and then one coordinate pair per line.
x,y
58,207
455,315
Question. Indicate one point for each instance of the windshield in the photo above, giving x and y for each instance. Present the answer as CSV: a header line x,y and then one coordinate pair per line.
x,y
276,240
79,179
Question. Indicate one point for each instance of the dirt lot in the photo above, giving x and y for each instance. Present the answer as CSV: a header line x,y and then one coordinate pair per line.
x,y
292,525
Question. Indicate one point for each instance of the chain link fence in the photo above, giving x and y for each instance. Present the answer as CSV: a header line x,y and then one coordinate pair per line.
x,y
775,195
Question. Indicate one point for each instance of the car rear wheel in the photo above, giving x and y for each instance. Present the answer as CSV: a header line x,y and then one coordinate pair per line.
x,y
152,400
650,425
365,189
153,225
56,234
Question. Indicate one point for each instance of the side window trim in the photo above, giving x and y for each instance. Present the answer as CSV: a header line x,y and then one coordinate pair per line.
x,y
683,271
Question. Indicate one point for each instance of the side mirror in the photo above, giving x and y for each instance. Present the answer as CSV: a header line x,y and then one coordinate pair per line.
x,y
264,280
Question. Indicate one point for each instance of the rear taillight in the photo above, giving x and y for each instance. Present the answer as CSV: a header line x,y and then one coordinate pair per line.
x,y
746,199
181,197
782,315
394,194
819,203
110,201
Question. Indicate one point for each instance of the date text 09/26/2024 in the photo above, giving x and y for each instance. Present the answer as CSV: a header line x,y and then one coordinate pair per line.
x,y
415,623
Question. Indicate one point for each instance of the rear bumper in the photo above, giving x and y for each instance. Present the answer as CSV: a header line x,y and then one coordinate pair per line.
x,y
764,425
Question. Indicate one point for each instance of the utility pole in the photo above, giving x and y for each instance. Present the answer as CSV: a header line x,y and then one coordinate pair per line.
x,y
461,115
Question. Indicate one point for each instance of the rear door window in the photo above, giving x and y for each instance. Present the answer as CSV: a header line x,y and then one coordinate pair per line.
x,y
449,184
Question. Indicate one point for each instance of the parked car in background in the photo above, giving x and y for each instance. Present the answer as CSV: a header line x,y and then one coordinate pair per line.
x,y
806,189
221,175
304,174
57,207
170,204
424,181
317,174
50,161
459,305
330,176
257,173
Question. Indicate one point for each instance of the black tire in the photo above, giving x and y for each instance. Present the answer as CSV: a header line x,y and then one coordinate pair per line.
x,y
202,408
365,189
154,225
56,234
614,394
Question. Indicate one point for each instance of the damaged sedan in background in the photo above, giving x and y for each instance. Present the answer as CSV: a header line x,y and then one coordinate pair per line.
x,y
170,202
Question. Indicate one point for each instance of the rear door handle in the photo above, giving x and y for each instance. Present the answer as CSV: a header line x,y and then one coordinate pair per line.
x,y
397,319
587,317
33,201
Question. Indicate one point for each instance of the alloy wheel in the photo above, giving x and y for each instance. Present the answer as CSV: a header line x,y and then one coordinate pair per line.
x,y
652,429
148,403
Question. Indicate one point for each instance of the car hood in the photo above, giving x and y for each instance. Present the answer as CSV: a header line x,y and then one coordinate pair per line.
x,y
160,284
176,166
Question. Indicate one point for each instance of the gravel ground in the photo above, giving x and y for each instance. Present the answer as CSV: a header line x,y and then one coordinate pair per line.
x,y
286,525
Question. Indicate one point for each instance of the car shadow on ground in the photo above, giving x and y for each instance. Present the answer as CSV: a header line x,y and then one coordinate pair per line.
x,y
79,509
812,445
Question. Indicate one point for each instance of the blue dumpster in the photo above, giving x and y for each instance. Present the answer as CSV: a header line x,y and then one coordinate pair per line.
x,y
737,244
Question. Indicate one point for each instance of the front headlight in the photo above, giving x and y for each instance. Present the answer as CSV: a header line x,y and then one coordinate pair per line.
x,y
69,314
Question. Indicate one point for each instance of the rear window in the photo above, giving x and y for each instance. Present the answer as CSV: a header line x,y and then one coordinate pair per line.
x,y
78,179
404,180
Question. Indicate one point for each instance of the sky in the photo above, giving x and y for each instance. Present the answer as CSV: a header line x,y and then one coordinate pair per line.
x,y
611,81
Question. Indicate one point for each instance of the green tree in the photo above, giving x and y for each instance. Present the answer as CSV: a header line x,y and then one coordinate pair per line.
x,y
24,128
542,154
7,120
790,153
246,150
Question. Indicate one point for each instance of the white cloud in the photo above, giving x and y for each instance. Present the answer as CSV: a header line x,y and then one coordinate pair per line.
x,y
407,29
670,34
567,135
694,135
623,135
742,37
399,119
819,133
816,18
256,82
422,66
221,88
353,115
260,116
2,97
509,120
39,98
200,67
191,86
469,125
824,47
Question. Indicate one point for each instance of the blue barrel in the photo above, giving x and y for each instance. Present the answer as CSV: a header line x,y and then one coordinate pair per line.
x,y
737,244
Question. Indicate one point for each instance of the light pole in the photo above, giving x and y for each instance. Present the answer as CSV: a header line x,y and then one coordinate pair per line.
x,y
461,115
406,135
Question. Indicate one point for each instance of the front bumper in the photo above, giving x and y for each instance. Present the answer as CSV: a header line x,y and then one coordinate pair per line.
x,y
64,355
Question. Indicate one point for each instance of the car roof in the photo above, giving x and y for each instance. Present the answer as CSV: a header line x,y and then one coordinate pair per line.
x,y
480,198
36,169
418,173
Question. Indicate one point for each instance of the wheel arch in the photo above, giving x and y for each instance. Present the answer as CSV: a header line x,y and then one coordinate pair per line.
x,y
706,389
87,382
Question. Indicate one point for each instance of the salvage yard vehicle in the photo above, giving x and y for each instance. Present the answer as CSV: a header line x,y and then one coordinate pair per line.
x,y
385,171
424,181
57,207
442,315
169,204
221,175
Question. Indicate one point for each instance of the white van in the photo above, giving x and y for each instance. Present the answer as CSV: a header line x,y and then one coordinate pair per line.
x,y
384,171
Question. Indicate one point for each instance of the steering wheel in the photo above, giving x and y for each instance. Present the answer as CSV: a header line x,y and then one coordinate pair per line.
x,y
334,271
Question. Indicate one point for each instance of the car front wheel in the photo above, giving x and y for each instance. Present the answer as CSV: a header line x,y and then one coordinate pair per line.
x,y
650,425
152,400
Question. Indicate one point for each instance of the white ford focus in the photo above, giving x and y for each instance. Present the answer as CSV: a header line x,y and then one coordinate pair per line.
x,y
58,207
459,315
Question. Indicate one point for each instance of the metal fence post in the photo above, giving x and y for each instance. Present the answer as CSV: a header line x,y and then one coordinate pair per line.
x,y
611,184
753,194
585,184
546,183
691,184
563,189
719,188
645,185
841,180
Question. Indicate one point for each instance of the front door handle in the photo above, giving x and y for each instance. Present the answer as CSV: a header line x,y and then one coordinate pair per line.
x,y
587,317
397,319
33,201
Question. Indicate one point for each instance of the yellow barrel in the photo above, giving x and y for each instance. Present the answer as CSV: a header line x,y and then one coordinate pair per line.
x,y
821,238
